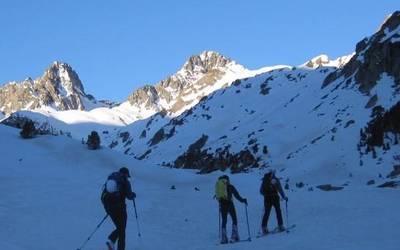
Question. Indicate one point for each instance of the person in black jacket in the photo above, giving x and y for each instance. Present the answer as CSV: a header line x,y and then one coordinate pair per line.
x,y
270,188
116,190
226,207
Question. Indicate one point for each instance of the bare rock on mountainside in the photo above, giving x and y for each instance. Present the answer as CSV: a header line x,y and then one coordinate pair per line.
x,y
374,55
93,141
395,173
329,187
59,87
198,73
377,131
28,130
197,158
390,184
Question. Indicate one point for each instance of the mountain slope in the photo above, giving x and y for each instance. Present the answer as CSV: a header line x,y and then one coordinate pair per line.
x,y
311,115
53,185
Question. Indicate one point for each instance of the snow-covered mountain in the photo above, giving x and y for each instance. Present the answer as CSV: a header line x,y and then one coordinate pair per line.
x,y
199,76
326,125
59,88
215,114
275,118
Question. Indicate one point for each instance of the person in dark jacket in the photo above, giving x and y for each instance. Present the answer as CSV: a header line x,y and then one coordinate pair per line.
x,y
270,188
116,190
226,207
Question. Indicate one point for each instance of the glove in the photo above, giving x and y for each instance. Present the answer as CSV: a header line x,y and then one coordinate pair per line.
x,y
245,201
133,195
286,198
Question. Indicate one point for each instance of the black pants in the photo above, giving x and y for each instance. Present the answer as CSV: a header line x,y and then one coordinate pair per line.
x,y
226,208
118,216
270,201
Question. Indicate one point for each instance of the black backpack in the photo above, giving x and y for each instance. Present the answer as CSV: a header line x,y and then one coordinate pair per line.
x,y
111,193
268,188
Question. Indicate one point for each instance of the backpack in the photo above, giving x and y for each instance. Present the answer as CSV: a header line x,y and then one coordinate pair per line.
x,y
111,190
268,188
221,189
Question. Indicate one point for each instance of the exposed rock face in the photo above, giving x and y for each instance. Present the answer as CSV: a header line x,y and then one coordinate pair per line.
x,y
187,86
197,158
374,55
329,187
324,61
318,61
59,87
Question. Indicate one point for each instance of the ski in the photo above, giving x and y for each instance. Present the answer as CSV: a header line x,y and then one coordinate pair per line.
x,y
233,242
238,241
276,231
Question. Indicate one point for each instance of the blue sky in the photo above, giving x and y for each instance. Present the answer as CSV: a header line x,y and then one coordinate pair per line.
x,y
118,46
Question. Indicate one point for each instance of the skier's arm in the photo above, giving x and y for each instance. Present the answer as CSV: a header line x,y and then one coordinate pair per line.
x,y
262,188
280,189
237,195
128,191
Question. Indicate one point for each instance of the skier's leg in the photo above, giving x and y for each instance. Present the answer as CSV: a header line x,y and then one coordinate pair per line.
x,y
235,232
267,211
224,215
114,217
121,229
278,213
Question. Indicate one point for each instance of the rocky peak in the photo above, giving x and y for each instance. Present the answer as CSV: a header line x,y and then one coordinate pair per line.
x,y
206,61
196,78
318,61
59,87
64,78
374,56
324,61
391,22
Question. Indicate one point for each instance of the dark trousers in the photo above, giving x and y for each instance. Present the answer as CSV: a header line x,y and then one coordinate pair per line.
x,y
270,201
118,216
226,208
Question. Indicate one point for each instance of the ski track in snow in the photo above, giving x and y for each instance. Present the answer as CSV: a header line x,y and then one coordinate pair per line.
x,y
50,188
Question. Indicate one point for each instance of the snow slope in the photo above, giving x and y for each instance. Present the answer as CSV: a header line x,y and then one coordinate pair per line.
x,y
50,187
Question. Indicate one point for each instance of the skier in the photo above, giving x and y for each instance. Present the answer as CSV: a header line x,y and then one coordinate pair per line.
x,y
270,188
116,189
224,191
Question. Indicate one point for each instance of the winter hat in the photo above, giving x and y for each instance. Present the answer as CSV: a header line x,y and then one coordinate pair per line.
x,y
270,172
224,177
125,170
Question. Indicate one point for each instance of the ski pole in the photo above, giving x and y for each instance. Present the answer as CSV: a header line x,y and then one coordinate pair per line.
x,y
248,227
287,218
98,226
137,220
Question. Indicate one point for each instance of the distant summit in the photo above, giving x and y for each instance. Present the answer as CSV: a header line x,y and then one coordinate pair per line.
x,y
324,61
200,75
59,88
207,60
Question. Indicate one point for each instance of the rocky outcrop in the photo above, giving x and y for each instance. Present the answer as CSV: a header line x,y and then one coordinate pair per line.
x,y
329,187
59,87
185,88
375,55
383,130
222,159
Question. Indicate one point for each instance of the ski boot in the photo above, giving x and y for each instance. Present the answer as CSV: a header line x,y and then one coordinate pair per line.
x,y
110,245
224,238
235,234
264,231
281,228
